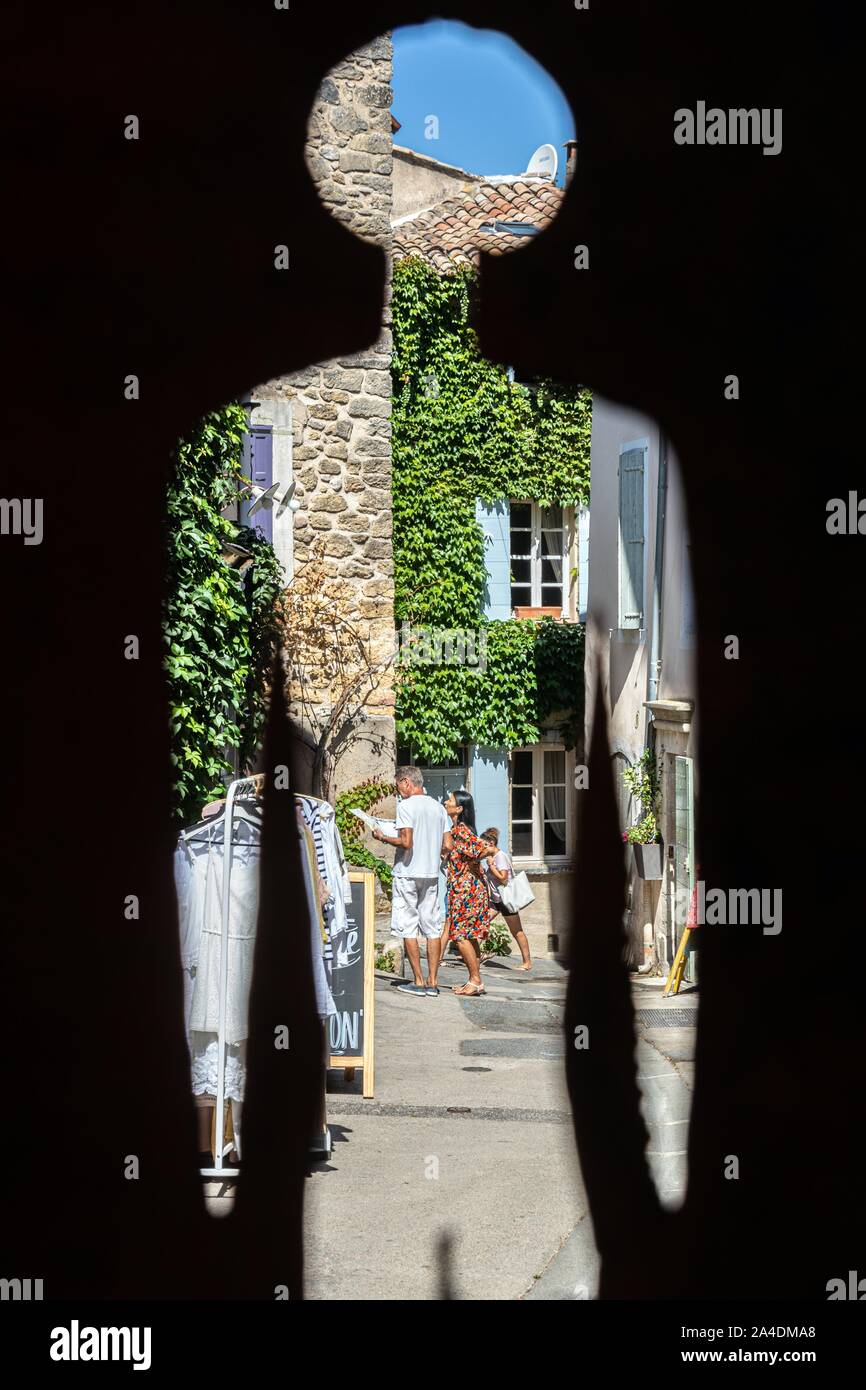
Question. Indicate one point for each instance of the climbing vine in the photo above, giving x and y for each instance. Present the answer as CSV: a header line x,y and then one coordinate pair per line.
x,y
462,430
218,625
363,797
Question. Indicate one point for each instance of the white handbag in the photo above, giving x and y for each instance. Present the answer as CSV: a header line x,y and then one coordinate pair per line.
x,y
516,893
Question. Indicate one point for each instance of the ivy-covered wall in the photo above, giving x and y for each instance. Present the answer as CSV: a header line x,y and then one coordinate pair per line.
x,y
462,431
219,627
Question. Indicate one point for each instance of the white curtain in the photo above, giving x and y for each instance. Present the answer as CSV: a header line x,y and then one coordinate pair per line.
x,y
551,539
554,792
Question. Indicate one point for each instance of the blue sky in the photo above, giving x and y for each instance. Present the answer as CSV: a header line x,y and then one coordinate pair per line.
x,y
494,103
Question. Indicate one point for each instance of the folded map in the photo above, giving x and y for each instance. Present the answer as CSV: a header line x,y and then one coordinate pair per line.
x,y
387,827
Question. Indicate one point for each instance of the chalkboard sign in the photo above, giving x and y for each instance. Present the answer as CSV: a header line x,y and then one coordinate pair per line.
x,y
351,1027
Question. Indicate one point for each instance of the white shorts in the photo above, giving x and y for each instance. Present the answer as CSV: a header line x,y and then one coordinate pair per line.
x,y
415,907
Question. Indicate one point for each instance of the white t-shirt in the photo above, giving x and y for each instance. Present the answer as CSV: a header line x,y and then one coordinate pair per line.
x,y
502,862
429,822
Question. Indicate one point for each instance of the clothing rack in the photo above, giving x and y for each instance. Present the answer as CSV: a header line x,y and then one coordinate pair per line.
x,y
244,787
240,790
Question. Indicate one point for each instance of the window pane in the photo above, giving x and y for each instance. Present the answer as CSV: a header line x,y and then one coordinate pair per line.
x,y
521,840
520,571
554,765
551,572
521,542
551,598
554,837
521,769
551,518
521,597
554,801
551,543
521,803
521,514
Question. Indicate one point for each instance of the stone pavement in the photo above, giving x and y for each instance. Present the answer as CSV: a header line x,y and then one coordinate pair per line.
x,y
469,1138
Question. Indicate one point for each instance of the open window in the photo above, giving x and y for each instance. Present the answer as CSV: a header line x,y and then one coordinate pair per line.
x,y
540,544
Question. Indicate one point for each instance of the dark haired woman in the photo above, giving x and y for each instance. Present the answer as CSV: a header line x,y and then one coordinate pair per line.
x,y
468,896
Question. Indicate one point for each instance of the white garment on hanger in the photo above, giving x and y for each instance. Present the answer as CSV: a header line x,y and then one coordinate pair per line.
x,y
198,866
243,915
191,859
321,819
204,1064
325,1005
200,912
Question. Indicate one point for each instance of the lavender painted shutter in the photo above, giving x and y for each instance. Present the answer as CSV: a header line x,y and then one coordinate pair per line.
x,y
258,465
262,474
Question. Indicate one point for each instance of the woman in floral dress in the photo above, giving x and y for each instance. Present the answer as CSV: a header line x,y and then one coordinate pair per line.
x,y
468,895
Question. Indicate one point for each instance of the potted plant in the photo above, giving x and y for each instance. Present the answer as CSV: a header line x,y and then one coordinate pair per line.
x,y
644,836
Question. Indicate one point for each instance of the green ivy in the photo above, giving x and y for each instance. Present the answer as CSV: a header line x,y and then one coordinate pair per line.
x,y
463,431
264,582
363,798
642,780
218,626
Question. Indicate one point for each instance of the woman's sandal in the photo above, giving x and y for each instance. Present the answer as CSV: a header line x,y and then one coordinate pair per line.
x,y
469,991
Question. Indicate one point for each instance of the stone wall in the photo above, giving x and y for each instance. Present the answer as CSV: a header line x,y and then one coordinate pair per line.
x,y
421,182
339,412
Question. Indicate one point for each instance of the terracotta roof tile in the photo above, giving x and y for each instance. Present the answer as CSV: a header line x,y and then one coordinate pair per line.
x,y
450,234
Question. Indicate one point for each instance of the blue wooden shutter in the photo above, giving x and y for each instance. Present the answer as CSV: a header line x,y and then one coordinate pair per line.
x,y
490,791
258,465
631,538
582,563
494,520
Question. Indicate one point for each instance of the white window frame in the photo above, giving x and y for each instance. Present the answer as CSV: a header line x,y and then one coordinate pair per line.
x,y
538,857
535,557
640,631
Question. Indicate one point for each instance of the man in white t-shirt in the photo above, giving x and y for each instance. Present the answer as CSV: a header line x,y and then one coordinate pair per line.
x,y
423,834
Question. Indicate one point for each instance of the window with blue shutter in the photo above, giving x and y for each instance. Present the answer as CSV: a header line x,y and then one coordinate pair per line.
x,y
632,541
493,518
582,563
539,559
258,466
490,790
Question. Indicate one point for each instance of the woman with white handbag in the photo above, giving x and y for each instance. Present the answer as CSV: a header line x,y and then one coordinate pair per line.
x,y
508,892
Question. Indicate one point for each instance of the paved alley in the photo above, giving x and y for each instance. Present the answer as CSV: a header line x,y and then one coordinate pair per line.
x,y
470,1136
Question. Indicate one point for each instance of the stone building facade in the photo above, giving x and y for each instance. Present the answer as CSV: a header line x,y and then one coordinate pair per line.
x,y
330,423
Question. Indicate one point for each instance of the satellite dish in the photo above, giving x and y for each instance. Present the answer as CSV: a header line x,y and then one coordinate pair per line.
x,y
544,161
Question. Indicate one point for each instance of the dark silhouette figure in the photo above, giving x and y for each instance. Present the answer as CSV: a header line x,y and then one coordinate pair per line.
x,y
155,258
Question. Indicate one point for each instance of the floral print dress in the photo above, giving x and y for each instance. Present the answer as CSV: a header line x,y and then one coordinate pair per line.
x,y
468,896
